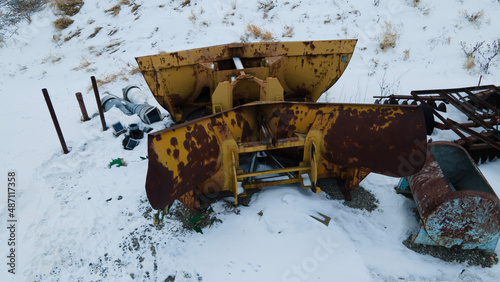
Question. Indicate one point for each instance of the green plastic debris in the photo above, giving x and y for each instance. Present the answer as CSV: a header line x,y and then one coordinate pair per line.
x,y
196,220
156,217
118,162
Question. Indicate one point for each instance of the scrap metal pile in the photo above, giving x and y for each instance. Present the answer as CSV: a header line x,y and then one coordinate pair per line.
x,y
247,117
457,206
264,128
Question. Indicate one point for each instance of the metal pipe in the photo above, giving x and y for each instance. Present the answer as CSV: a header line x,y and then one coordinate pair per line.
x,y
252,166
98,100
54,119
85,116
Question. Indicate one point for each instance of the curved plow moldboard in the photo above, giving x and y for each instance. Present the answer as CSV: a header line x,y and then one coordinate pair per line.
x,y
386,139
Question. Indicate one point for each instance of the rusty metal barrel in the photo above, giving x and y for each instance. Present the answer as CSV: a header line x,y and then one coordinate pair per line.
x,y
457,205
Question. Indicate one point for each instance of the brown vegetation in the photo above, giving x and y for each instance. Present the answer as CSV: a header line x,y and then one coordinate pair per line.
x,y
67,7
63,22
256,32
390,37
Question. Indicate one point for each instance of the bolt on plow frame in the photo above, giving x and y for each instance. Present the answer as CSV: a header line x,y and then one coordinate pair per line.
x,y
264,127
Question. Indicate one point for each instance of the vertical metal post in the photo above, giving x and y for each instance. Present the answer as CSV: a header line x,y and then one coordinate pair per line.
x,y
85,116
54,119
99,106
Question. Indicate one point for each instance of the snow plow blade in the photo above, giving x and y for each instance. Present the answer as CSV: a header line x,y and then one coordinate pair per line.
x,y
305,141
185,81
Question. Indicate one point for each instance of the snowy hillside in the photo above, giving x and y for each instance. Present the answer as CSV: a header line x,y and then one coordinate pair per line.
x,y
79,220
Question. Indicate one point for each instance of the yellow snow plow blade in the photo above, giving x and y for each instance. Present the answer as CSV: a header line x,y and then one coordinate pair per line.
x,y
185,81
301,142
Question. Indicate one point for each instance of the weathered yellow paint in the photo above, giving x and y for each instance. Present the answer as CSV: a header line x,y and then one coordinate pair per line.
x,y
334,140
253,113
184,80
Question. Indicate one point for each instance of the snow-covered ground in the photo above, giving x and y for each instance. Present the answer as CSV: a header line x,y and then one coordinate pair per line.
x,y
79,220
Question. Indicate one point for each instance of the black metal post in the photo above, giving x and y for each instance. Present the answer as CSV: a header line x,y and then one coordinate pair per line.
x,y
54,119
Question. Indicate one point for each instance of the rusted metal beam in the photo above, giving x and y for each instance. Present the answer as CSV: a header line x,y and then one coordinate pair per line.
x,y
85,116
410,97
54,120
98,101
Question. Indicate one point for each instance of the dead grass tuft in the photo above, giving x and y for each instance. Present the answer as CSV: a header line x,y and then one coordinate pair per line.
x,y
255,32
390,37
115,10
62,22
469,63
406,54
51,58
83,65
96,31
266,6
122,74
135,70
474,18
288,31
484,55
67,7
135,8
76,33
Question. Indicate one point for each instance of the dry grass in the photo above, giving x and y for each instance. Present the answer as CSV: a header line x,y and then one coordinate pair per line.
x,y
51,58
62,23
115,10
266,6
83,65
390,37
67,7
96,31
288,31
474,18
135,70
481,54
76,33
112,48
255,32
406,54
134,9
469,63
185,3
122,74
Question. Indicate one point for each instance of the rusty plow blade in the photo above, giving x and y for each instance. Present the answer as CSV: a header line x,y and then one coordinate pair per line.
x,y
299,143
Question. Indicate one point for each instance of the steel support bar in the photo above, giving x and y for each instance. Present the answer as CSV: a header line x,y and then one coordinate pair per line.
x,y
258,146
262,184
475,134
274,171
